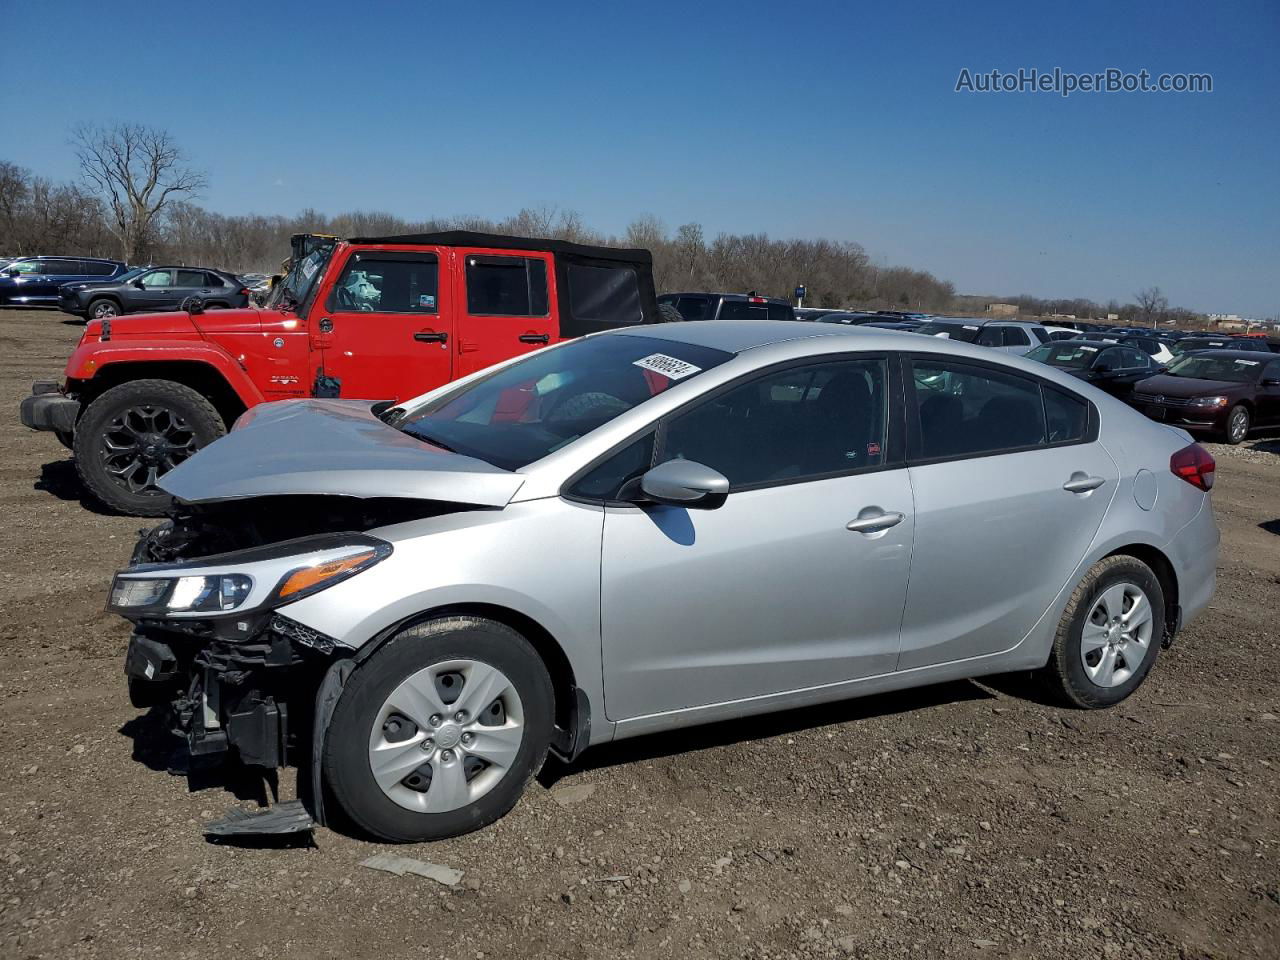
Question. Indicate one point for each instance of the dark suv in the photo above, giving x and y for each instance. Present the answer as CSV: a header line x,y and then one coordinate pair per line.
x,y
150,289
728,306
34,281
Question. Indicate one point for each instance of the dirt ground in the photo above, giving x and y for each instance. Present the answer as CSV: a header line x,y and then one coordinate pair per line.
x,y
959,820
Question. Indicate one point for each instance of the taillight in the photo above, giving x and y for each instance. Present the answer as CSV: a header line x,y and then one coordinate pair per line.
x,y
1194,465
757,300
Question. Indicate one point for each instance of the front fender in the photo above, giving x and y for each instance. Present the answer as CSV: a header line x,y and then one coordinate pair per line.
x,y
89,360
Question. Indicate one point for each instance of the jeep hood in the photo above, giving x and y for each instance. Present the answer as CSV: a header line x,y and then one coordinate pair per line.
x,y
335,447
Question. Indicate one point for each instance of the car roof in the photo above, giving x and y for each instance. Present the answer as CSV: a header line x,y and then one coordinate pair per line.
x,y
735,336
739,296
1231,354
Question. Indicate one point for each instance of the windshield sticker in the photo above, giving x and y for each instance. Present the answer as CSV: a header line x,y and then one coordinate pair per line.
x,y
427,300
308,267
669,367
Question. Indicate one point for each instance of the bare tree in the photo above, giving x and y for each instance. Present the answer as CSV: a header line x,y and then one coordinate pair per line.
x,y
140,172
1152,305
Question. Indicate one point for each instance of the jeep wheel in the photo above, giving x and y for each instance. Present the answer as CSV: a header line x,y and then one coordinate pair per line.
x,y
103,309
439,731
133,434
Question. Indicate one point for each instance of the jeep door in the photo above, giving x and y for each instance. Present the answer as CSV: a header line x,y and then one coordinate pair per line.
x,y
505,304
384,326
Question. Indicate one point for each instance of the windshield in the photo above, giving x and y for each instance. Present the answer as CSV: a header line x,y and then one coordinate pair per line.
x,y
129,275
1064,354
302,277
1200,367
1187,346
967,332
524,412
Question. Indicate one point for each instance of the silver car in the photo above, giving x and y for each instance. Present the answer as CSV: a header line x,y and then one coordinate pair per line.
x,y
648,529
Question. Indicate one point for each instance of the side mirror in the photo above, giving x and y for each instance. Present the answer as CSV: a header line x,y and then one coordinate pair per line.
x,y
12,273
1103,368
1271,381
685,483
139,284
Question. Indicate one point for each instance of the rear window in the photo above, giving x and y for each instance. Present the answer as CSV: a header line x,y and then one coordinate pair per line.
x,y
780,311
743,310
694,308
600,297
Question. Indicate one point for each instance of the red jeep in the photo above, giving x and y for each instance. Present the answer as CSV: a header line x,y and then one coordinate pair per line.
x,y
376,318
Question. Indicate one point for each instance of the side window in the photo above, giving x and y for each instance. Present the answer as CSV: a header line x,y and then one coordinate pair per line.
x,y
157,279
605,481
1109,360
94,269
1133,358
779,311
795,424
1016,337
1040,334
213,280
1068,416
24,267
406,284
1271,371
970,411
599,298
991,337
191,278
507,286
60,268
694,308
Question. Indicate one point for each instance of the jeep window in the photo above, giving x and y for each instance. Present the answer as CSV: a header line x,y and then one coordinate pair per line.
x,y
392,283
302,277
600,297
506,286
523,412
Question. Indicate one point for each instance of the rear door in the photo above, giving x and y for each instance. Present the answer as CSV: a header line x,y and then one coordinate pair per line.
x,y
384,327
997,534
1268,398
191,283
506,305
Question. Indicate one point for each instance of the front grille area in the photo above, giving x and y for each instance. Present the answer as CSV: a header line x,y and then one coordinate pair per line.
x,y
1162,400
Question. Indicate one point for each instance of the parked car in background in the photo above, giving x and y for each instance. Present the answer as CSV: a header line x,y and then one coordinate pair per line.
x,y
1008,336
1212,342
745,518
35,281
904,326
1157,348
376,318
1226,392
1062,333
152,289
815,313
728,306
851,317
1113,367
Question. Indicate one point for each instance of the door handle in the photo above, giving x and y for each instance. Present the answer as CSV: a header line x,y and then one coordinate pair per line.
x,y
535,338
1083,483
875,522
431,337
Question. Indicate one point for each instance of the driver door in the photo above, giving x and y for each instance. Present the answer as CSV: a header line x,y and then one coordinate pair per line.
x,y
158,291
385,328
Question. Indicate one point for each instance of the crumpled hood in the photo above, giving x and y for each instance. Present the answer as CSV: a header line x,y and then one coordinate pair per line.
x,y
335,447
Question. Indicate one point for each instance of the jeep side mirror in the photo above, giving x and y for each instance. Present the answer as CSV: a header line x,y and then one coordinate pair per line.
x,y
685,483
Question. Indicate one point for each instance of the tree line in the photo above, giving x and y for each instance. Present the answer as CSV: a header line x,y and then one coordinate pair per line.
x,y
135,201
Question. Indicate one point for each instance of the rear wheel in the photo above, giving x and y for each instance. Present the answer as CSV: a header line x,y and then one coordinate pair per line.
x,y
135,433
438,733
1109,635
1237,424
103,309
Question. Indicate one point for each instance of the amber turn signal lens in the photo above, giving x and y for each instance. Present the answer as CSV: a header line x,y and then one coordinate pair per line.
x,y
309,577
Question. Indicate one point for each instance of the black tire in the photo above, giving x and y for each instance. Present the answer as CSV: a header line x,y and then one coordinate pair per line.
x,y
346,751
202,422
1065,675
667,313
1238,423
101,309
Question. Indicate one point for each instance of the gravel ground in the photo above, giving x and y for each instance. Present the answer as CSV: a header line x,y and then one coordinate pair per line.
x,y
959,820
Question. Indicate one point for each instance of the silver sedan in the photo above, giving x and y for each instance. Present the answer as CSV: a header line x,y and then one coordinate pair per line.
x,y
648,529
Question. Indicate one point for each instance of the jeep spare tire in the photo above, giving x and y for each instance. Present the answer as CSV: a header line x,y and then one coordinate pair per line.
x,y
133,434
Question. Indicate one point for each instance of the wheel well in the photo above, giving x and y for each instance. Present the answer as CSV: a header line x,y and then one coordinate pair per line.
x,y
548,648
113,297
200,377
1163,570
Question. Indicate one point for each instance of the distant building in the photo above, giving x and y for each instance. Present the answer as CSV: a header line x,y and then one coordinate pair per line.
x,y
1112,317
1002,309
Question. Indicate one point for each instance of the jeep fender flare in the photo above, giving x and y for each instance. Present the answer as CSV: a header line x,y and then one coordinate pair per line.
x,y
90,360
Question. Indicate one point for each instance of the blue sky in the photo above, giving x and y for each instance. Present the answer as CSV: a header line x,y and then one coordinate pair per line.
x,y
796,119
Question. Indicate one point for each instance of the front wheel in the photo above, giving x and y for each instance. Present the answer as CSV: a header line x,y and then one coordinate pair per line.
x,y
1109,635
1237,424
439,731
135,433
103,310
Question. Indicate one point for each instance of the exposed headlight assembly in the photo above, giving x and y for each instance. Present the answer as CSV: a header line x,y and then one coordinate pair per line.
x,y
249,580
1214,403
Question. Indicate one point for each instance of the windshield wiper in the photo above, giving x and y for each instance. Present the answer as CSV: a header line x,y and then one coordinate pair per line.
x,y
426,438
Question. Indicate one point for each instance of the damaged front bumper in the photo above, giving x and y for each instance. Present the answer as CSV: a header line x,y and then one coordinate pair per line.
x,y
251,697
